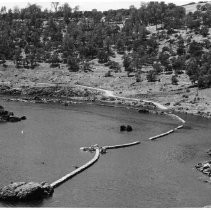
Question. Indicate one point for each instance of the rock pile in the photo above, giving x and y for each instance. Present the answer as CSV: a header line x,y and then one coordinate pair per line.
x,y
6,116
126,128
204,167
25,191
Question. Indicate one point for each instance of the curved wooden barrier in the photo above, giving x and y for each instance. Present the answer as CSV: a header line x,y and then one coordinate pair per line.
x,y
100,150
78,170
97,150
166,133
161,135
121,145
103,149
179,127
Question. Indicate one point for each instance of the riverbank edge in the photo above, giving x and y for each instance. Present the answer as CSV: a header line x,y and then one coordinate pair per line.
x,y
48,95
87,96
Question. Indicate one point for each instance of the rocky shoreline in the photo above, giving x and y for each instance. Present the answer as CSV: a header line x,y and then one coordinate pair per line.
x,y
67,95
7,116
205,167
55,95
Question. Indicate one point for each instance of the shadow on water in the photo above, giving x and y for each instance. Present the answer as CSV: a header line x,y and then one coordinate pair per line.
x,y
34,203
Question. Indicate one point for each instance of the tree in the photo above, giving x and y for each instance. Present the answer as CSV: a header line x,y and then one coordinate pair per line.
x,y
67,10
120,46
73,64
192,23
195,49
192,70
178,63
164,58
151,76
17,58
103,56
204,31
138,76
54,60
127,63
204,81
55,5
181,47
174,16
157,67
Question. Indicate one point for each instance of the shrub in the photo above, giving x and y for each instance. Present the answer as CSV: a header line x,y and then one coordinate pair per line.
x,y
174,80
204,81
54,60
108,74
168,68
195,49
181,49
151,76
164,58
204,31
178,63
138,76
54,65
127,63
165,48
207,43
171,31
114,65
102,56
157,67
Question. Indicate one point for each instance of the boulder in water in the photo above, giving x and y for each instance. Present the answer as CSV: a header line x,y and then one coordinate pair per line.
x,y
129,128
25,191
122,128
23,118
14,119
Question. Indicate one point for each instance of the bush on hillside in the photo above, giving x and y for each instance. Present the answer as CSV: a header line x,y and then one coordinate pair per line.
x,y
174,80
204,31
204,81
151,76
72,63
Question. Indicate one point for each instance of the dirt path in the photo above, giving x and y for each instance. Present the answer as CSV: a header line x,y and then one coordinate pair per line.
x,y
110,93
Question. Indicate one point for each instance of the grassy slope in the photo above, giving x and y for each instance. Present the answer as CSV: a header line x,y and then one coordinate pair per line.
x,y
174,96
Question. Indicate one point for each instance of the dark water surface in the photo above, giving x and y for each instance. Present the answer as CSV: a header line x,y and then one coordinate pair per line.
x,y
153,174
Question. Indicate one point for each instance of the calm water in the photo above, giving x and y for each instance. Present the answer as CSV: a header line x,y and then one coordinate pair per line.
x,y
153,174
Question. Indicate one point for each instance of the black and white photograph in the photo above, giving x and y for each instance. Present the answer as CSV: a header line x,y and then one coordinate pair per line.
x,y
105,104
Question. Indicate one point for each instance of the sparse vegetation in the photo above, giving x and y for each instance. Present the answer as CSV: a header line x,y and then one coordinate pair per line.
x,y
129,47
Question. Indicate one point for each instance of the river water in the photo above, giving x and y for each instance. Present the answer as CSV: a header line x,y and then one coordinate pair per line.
x,y
153,174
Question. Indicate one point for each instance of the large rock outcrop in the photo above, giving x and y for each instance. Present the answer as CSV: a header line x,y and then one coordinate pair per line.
x,y
25,191
6,116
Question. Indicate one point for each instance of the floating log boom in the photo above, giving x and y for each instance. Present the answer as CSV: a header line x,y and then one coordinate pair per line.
x,y
161,135
78,170
122,145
